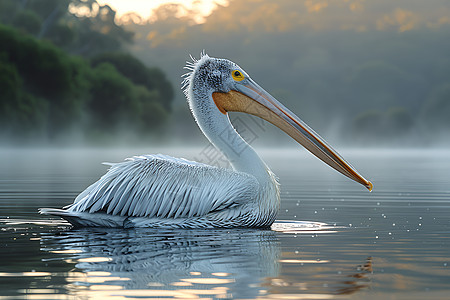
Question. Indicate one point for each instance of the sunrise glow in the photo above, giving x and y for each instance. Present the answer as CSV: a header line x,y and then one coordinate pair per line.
x,y
145,8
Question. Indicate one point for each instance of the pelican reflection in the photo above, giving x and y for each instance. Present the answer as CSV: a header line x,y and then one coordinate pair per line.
x,y
166,263
242,263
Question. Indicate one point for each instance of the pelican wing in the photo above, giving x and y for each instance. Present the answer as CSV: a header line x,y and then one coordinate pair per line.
x,y
165,187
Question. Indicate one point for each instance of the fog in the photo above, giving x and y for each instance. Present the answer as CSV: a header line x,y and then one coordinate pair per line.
x,y
361,73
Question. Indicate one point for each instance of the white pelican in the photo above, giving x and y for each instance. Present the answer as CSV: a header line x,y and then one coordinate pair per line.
x,y
163,191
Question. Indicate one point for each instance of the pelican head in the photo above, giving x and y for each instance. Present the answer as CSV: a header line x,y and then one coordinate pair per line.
x,y
216,86
162,191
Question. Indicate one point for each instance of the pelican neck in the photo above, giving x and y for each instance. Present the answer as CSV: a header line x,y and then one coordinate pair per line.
x,y
217,127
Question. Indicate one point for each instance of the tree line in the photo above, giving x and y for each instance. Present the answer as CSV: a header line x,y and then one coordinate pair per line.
x,y
376,76
62,71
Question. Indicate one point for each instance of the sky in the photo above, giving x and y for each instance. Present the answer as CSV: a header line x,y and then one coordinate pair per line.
x,y
359,15
145,7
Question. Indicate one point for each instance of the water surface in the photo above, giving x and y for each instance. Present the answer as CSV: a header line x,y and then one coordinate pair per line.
x,y
332,239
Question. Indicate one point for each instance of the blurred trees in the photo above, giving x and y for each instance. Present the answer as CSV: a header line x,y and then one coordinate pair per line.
x,y
341,64
133,69
20,112
48,83
77,26
376,128
60,70
116,102
436,110
357,68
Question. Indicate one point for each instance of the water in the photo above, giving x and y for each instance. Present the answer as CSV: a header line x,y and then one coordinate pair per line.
x,y
332,238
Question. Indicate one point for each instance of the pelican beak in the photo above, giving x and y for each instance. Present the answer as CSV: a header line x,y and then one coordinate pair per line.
x,y
250,98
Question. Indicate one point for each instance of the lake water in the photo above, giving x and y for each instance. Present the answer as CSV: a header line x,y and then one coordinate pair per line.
x,y
332,238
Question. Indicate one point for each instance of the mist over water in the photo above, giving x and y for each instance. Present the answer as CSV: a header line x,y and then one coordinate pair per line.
x,y
331,238
362,71
79,87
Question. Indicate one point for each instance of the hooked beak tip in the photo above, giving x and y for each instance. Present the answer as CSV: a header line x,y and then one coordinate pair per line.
x,y
369,186
251,98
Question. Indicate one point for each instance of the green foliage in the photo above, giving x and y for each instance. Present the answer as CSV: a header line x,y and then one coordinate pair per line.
x,y
10,83
151,78
152,113
28,21
116,102
45,69
45,91
20,112
112,97
95,32
88,33
62,35
47,73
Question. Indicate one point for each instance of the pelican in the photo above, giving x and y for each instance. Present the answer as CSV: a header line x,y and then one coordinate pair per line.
x,y
162,191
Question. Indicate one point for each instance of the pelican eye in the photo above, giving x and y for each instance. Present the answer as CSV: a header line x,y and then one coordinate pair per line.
x,y
237,75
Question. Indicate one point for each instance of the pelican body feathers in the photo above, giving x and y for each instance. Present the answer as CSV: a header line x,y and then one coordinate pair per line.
x,y
142,192
162,191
